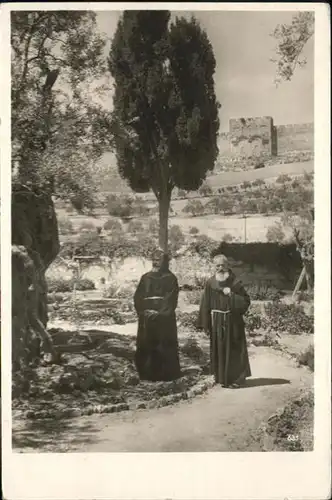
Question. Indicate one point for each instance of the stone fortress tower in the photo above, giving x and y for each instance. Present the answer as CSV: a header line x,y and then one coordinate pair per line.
x,y
250,137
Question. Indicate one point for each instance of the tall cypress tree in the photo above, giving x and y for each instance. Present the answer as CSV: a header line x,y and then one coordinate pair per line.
x,y
165,112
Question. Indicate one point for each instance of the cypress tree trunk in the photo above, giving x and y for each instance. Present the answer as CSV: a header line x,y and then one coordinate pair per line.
x,y
164,204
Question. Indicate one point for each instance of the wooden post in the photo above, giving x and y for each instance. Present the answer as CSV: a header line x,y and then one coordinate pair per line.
x,y
299,283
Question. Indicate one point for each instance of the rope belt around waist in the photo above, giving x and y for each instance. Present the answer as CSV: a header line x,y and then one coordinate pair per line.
x,y
219,311
224,316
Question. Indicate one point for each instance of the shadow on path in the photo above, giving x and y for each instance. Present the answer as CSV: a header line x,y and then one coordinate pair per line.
x,y
48,434
259,382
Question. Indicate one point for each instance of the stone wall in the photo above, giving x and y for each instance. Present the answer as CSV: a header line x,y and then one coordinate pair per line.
x,y
299,137
260,137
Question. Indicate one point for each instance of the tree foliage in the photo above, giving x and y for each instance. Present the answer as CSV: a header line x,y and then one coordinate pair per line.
x,y
291,40
58,131
165,109
301,229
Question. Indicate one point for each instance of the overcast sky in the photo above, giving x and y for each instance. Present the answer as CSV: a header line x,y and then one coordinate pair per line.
x,y
244,76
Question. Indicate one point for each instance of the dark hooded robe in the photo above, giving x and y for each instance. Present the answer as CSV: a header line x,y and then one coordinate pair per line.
x,y
221,316
156,354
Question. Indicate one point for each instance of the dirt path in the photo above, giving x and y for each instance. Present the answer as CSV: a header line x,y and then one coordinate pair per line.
x,y
219,420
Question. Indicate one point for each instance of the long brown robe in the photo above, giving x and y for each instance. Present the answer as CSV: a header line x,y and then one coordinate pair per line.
x,y
156,354
229,360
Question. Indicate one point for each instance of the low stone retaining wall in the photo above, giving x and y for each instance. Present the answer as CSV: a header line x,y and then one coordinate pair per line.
x,y
206,383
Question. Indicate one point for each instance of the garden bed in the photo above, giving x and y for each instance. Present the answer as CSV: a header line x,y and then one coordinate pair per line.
x,y
98,375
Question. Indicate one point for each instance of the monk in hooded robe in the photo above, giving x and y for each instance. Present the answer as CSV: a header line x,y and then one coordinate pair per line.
x,y
155,302
223,303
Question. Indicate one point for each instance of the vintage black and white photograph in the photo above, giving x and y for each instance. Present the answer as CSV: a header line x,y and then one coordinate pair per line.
x,y
162,231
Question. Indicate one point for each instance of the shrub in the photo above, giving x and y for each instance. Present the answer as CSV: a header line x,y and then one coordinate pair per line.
x,y
283,178
192,349
203,246
119,206
288,318
193,230
61,285
188,320
194,207
262,291
307,358
84,284
253,320
114,226
135,226
227,237
219,204
86,244
65,225
275,234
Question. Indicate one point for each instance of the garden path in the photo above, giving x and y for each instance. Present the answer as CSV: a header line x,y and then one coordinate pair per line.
x,y
219,420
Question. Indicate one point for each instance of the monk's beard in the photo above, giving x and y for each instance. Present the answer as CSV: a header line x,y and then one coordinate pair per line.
x,y
222,276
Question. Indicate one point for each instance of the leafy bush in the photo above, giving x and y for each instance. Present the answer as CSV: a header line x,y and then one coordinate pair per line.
x,y
114,226
87,244
193,230
203,246
288,318
65,225
253,320
135,226
125,291
219,204
61,285
192,349
188,320
307,358
275,233
283,178
119,206
227,237
262,291
194,207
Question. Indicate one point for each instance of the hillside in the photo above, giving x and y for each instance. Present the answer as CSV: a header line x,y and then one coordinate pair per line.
x,y
110,180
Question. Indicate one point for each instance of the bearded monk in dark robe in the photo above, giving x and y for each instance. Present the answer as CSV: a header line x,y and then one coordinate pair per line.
x,y
223,303
155,302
